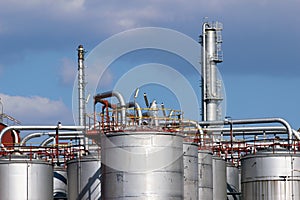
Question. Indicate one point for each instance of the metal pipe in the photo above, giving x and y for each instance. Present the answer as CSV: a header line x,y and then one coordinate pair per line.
x,y
65,137
1,115
197,126
50,134
296,134
254,121
47,141
252,129
268,120
191,122
128,105
231,140
137,109
30,136
163,109
242,131
19,127
120,98
146,100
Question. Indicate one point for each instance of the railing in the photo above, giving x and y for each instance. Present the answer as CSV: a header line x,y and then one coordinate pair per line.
x,y
159,118
234,151
55,154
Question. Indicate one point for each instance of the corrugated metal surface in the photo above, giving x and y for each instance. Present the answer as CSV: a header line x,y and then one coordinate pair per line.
x,y
267,176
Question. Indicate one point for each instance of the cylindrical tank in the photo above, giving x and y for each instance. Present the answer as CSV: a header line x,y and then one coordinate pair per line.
x,y
84,178
142,165
60,183
219,178
190,165
233,181
269,176
205,175
25,179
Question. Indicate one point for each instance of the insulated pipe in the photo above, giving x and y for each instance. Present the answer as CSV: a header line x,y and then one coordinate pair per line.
x,y
190,122
197,126
30,136
65,137
120,98
296,134
16,137
138,109
247,130
39,134
70,128
253,121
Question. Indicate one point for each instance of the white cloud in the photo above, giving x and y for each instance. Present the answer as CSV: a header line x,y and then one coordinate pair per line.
x,y
56,25
29,5
35,109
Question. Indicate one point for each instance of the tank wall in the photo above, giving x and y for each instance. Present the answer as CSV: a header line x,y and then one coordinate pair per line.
x,y
190,165
24,179
60,183
233,181
270,176
142,166
219,178
205,175
84,178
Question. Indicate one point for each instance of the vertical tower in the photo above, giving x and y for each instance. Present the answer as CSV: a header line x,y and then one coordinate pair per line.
x,y
81,87
81,93
212,54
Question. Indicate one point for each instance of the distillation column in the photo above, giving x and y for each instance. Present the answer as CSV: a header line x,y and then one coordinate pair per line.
x,y
211,85
81,92
211,109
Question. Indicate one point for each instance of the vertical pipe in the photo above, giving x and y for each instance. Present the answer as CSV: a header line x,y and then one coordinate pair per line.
x,y
231,141
203,78
57,147
81,90
1,116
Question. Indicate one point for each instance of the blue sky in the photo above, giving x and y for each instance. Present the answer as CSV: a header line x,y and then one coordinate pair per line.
x,y
38,57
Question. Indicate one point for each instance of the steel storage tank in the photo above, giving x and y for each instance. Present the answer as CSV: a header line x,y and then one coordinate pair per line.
x,y
269,176
190,166
233,181
84,178
25,179
219,178
142,165
60,184
205,174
